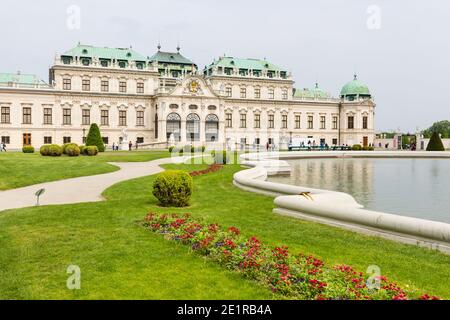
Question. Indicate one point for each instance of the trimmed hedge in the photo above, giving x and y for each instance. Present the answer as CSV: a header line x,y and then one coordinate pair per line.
x,y
91,151
357,147
435,143
72,150
82,150
173,188
28,149
66,145
45,150
54,150
94,138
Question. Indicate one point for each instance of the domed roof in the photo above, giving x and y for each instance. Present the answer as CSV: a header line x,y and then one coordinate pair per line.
x,y
314,93
355,87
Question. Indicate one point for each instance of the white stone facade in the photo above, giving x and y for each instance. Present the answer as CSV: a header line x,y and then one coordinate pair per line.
x,y
204,109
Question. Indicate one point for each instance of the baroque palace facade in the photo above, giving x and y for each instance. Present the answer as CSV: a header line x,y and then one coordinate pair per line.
x,y
166,99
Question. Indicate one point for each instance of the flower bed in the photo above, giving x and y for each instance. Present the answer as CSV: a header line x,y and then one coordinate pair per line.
x,y
212,168
294,276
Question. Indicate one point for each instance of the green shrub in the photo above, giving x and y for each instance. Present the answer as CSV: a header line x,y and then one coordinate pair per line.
x,y
94,138
173,188
82,150
435,143
54,150
64,146
73,150
91,151
368,148
357,147
181,152
171,149
220,157
28,149
45,150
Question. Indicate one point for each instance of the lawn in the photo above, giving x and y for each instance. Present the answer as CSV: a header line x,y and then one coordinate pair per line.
x,y
19,169
119,259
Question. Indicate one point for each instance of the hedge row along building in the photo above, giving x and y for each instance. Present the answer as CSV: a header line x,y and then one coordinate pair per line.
x,y
166,98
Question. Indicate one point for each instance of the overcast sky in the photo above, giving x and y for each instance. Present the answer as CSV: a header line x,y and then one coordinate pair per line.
x,y
401,49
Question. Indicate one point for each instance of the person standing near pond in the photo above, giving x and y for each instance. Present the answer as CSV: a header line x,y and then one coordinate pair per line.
x,y
130,145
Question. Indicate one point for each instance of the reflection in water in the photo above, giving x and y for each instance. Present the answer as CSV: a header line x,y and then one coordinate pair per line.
x,y
411,187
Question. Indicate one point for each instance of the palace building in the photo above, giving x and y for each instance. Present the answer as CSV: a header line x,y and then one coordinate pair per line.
x,y
166,98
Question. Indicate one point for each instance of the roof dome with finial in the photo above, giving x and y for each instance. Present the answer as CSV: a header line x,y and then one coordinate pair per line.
x,y
314,93
355,88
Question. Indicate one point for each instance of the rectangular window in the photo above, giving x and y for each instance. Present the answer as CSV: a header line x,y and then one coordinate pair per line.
x,y
122,86
140,140
86,85
297,121
6,140
310,122
104,115
48,118
6,115
335,123
140,87
67,84
271,94
86,117
229,120
228,92
140,118
322,122
243,93
47,140
257,93
26,112
271,121
105,140
285,94
122,118
257,118
67,115
243,120
351,122
335,142
365,122
67,140
284,121
105,86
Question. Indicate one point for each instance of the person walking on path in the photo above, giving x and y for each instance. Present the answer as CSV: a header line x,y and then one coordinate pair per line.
x,y
3,146
130,145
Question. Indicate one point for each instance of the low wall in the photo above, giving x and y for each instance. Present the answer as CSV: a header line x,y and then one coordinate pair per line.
x,y
338,208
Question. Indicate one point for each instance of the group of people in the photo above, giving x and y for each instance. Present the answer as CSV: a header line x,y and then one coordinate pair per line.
x,y
115,146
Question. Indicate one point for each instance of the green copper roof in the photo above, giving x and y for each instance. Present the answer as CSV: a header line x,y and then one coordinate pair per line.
x,y
355,87
251,64
28,79
105,53
170,57
314,93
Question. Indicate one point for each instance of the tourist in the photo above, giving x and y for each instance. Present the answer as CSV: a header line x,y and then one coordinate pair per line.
x,y
137,145
267,146
130,146
114,146
3,146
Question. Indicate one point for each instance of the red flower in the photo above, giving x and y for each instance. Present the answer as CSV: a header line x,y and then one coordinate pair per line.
x,y
234,230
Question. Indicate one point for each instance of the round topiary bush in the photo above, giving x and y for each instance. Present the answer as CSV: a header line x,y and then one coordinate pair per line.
x,y
435,143
220,157
45,150
72,150
357,147
91,151
82,149
28,149
66,145
173,188
54,150
171,149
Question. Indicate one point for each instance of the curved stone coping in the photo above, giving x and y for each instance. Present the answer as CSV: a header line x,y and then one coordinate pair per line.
x,y
338,208
81,189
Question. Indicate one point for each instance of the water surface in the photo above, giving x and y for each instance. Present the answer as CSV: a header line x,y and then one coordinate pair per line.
x,y
412,187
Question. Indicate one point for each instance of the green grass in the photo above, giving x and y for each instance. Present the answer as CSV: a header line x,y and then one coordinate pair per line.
x,y
119,259
19,169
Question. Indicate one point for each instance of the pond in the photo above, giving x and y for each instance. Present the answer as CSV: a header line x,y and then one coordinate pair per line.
x,y
411,187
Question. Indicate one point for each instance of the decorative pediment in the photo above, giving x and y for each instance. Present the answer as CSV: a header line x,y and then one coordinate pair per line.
x,y
193,86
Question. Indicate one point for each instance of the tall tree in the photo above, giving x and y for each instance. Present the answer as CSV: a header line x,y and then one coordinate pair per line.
x,y
94,138
435,143
442,127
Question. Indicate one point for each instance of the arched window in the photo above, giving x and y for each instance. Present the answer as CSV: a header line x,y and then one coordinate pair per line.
x,y
193,127
212,128
173,125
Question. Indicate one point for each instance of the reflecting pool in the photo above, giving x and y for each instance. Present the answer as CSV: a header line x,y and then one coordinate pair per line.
x,y
411,187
